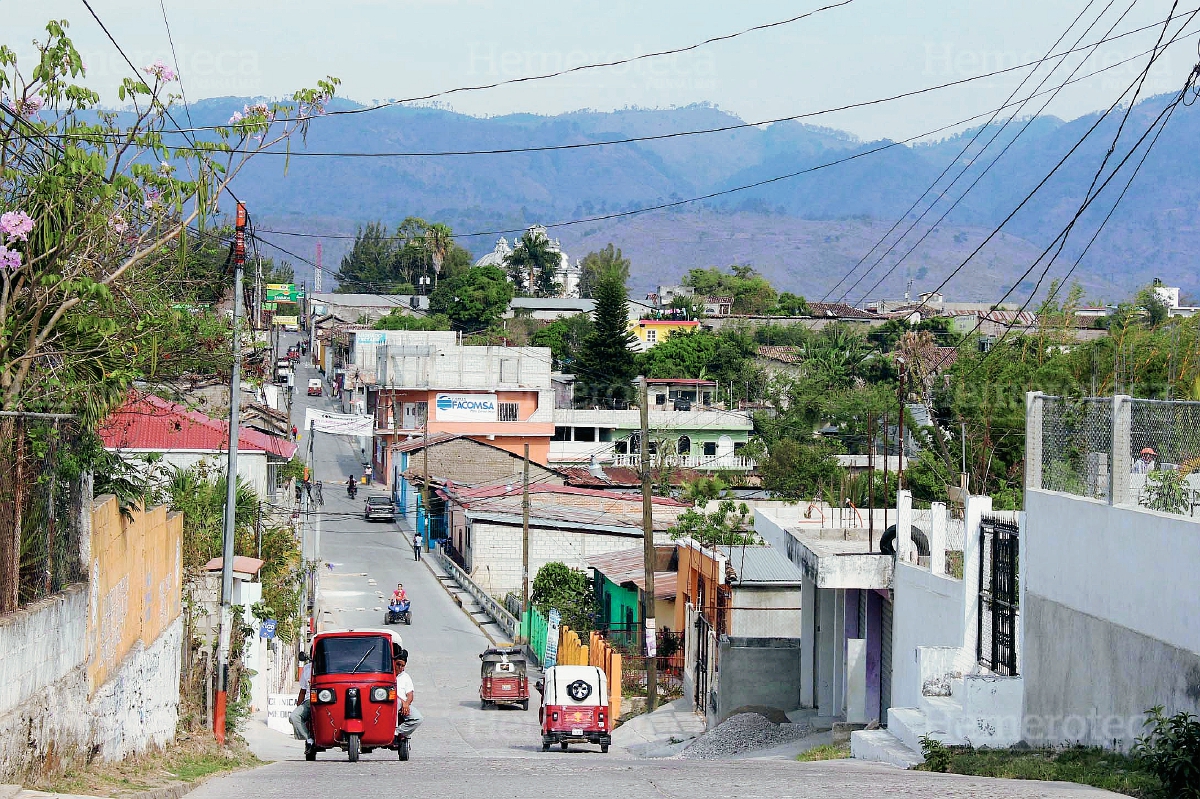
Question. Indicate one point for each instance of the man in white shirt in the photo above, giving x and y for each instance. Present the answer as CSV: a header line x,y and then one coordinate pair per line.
x,y
303,712
417,546
410,717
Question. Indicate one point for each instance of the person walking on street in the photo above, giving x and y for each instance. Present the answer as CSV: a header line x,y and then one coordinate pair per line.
x,y
417,546
301,716
409,718
320,496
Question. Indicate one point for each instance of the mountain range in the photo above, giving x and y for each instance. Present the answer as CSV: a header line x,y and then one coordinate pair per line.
x,y
804,232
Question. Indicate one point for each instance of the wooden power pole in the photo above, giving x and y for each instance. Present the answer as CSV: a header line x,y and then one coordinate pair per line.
x,y
525,540
648,548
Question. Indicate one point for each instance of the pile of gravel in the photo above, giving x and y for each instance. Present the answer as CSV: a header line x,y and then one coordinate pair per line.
x,y
742,733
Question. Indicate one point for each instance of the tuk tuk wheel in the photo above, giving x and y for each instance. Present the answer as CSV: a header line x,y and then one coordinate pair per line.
x,y
310,752
604,749
402,749
353,747
525,705
545,746
563,744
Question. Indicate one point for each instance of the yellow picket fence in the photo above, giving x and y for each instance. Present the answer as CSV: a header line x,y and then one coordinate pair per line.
x,y
597,652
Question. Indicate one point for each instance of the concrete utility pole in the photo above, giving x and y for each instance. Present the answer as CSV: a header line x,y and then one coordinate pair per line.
x,y
871,482
648,549
900,463
235,392
525,537
425,480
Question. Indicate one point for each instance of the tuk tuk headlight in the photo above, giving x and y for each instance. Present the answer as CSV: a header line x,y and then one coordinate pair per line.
x,y
325,696
380,694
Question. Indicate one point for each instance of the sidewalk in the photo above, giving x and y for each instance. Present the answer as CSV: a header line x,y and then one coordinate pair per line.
x,y
663,733
494,632
268,744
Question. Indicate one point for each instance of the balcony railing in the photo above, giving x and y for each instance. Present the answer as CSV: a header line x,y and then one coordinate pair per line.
x,y
698,462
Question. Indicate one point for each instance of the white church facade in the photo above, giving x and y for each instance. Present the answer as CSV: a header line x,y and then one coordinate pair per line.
x,y
567,276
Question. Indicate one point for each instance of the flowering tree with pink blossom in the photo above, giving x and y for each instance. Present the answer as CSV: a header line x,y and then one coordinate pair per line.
x,y
89,200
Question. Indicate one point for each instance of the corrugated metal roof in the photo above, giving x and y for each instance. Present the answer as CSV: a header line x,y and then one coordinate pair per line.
x,y
761,565
629,566
154,424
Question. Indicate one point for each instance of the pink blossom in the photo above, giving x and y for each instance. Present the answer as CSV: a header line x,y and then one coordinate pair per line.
x,y
236,118
9,259
16,224
161,71
117,224
30,105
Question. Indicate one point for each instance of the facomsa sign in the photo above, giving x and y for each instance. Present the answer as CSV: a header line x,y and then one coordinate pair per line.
x,y
466,408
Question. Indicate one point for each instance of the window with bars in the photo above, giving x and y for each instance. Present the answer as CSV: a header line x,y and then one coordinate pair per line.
x,y
510,411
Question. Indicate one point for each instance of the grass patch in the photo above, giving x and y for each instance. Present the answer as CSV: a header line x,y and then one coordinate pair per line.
x,y
1099,768
185,760
825,752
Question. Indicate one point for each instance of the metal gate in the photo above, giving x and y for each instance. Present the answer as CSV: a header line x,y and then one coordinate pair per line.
x,y
702,630
999,602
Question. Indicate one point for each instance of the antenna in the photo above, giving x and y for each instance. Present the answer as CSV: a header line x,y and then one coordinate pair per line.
x,y
317,272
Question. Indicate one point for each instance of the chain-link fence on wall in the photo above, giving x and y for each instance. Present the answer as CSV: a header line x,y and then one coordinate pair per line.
x,y
41,508
1164,455
1076,442
1118,449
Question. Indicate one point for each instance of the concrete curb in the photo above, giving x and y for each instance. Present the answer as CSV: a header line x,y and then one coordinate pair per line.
x,y
175,791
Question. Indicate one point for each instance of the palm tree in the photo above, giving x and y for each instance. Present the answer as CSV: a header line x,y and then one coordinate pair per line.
x,y
439,240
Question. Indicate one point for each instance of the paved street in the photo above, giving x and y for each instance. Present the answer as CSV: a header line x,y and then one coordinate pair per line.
x,y
463,751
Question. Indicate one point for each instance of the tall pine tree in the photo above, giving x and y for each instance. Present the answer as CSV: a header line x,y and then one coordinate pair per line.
x,y
607,365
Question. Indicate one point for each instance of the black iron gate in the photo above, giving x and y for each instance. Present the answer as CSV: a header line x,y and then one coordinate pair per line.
x,y
999,602
702,630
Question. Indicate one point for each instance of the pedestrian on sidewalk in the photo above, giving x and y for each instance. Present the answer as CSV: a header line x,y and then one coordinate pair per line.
x,y
417,546
320,496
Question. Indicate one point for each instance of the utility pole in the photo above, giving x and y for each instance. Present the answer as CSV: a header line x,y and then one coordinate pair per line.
x,y
425,480
648,548
871,482
235,392
887,447
900,463
525,538
258,294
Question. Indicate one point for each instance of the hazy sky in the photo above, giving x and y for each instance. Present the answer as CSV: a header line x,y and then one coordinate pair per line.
x,y
385,49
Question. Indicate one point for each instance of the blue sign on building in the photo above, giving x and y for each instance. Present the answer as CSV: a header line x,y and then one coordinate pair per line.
x,y
267,628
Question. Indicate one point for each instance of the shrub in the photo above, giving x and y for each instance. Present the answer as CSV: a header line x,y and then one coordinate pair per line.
x,y
1171,749
937,756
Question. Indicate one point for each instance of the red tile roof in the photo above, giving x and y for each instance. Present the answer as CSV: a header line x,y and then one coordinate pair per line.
x,y
681,381
781,354
839,310
241,565
468,495
154,424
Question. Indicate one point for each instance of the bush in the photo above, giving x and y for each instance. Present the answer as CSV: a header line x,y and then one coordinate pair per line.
x,y
937,756
1172,751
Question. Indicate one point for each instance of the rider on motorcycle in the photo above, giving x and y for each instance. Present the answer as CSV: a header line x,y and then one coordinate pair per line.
x,y
399,595
351,486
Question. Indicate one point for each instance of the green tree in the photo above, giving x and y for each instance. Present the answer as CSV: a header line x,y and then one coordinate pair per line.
x,y
533,265
399,320
751,292
790,304
565,338
703,355
800,470
597,265
474,299
371,265
607,361
731,524
568,590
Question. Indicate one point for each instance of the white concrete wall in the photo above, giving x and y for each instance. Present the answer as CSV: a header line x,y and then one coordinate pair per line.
x,y
1109,604
44,704
748,622
928,612
252,466
43,681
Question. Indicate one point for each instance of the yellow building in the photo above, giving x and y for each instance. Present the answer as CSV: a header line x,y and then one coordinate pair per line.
x,y
653,331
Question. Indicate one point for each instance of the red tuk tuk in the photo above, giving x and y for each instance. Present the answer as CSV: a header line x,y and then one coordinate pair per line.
x,y
575,707
353,694
502,678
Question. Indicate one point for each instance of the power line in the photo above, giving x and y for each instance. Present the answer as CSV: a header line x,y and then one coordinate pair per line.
x,y
974,183
637,211
656,137
175,58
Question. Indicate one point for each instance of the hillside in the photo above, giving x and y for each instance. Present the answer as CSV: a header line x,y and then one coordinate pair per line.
x,y
804,232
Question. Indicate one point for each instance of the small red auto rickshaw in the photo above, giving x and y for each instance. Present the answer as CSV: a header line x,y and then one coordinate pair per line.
x,y
353,693
575,707
502,678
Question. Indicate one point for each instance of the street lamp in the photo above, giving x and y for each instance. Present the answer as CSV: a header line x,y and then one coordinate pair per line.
x,y
423,282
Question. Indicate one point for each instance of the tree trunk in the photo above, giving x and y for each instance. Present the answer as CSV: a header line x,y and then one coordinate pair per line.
x,y
12,500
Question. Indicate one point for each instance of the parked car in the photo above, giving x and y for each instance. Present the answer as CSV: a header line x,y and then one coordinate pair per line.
x,y
379,508
314,387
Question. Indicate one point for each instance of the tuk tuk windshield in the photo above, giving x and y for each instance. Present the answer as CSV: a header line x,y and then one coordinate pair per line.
x,y
502,667
352,655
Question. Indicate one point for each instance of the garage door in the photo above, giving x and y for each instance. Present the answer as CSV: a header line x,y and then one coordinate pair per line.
x,y
885,661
